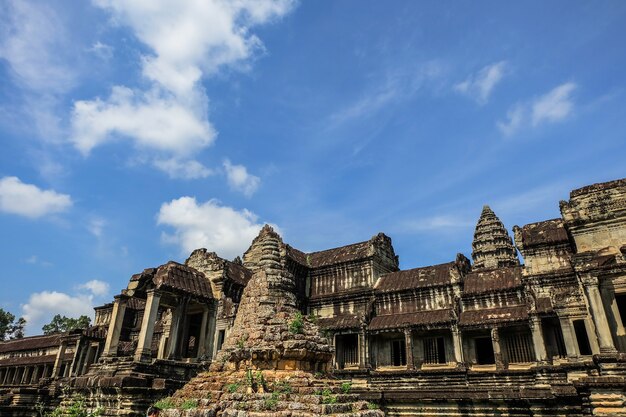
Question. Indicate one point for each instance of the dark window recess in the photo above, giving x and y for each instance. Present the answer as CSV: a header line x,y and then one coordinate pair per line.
x,y
620,299
434,350
553,337
581,337
484,351
518,347
398,352
220,338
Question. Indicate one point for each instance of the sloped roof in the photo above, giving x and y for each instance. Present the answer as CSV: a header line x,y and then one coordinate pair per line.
x,y
429,276
545,232
179,277
339,255
484,281
340,322
238,273
493,315
420,318
31,343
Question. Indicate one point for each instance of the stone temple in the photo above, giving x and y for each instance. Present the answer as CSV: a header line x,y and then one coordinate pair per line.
x,y
345,332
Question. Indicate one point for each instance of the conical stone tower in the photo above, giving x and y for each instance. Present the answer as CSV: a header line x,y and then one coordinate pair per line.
x,y
274,361
492,246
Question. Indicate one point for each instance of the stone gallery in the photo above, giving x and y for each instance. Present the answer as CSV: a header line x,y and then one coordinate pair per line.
x,y
345,332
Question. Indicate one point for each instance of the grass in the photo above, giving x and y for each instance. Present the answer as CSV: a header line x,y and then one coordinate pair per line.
x,y
189,404
283,387
165,403
232,387
328,397
346,387
372,406
272,402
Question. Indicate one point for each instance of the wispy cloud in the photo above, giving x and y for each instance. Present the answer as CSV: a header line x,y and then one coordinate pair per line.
x,y
436,223
183,169
30,201
480,85
239,179
554,106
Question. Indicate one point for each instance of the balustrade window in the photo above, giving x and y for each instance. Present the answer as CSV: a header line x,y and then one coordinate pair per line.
x,y
518,347
434,350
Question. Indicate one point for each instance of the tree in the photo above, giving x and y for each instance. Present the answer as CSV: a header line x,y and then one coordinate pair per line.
x,y
61,324
9,328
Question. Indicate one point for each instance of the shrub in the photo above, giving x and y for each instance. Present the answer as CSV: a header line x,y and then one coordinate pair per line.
x,y
346,387
297,324
372,406
328,397
283,387
76,408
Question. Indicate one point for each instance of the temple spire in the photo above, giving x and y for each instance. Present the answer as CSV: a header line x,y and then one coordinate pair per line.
x,y
492,246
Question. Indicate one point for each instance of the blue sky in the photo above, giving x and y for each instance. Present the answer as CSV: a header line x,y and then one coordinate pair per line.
x,y
136,130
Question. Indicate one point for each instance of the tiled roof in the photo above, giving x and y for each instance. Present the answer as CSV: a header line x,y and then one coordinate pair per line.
x,y
33,360
339,322
179,277
493,280
30,343
297,255
429,276
493,315
339,255
238,273
546,232
420,318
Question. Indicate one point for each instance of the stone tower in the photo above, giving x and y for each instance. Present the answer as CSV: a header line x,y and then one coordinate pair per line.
x,y
492,246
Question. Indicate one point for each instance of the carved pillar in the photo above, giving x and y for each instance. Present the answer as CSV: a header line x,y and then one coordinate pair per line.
x,y
202,339
144,341
569,337
211,332
76,358
362,351
115,326
458,345
408,338
59,359
608,297
599,316
175,336
538,342
497,352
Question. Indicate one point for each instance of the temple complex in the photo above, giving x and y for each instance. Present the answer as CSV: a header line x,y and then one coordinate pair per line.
x,y
532,325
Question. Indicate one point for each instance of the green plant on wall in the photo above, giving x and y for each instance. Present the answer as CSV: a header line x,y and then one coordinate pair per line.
x,y
297,324
76,408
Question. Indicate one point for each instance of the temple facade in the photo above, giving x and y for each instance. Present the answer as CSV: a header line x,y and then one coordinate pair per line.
x,y
498,334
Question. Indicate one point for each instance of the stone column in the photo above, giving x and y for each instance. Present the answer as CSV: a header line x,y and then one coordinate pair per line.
x,y
143,353
59,359
176,330
458,345
538,342
497,352
569,337
408,338
608,297
202,339
361,349
599,316
115,326
35,376
76,358
212,331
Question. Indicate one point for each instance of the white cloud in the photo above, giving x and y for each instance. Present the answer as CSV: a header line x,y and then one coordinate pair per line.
x,y
95,287
34,43
185,169
152,120
30,201
34,260
554,106
480,85
211,225
240,180
186,41
42,306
